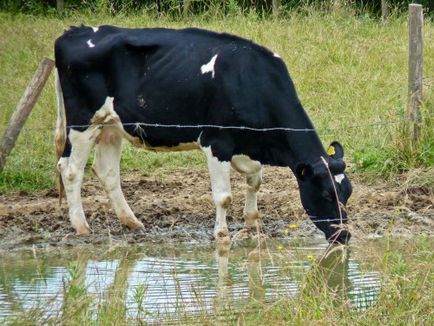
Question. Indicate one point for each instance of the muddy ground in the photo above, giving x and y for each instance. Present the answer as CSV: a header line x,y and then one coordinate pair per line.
x,y
177,206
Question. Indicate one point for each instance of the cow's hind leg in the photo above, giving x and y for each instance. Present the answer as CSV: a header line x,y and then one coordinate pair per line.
x,y
72,169
253,173
221,192
106,167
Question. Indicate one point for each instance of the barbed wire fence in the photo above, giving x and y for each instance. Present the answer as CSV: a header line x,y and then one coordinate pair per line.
x,y
320,130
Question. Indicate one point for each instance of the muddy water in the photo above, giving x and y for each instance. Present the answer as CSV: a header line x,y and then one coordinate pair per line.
x,y
157,282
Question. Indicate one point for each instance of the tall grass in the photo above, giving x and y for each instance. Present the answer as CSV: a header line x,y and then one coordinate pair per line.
x,y
350,72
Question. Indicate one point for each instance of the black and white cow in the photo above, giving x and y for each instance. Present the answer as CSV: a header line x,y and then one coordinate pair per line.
x,y
116,83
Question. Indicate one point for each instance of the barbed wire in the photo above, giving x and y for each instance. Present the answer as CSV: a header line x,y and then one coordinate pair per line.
x,y
356,217
222,127
233,127
211,126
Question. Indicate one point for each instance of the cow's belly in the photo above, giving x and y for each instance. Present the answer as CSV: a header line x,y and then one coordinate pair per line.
x,y
177,148
143,143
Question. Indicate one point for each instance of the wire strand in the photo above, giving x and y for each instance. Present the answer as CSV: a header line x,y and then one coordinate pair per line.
x,y
248,128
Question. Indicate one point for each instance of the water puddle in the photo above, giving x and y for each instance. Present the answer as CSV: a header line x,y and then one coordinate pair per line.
x,y
157,282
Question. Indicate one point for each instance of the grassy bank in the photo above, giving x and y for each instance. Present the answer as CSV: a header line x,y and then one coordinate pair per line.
x,y
350,72
403,295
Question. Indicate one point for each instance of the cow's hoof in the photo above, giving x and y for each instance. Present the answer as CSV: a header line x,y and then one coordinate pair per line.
x,y
223,238
133,224
251,220
249,236
83,230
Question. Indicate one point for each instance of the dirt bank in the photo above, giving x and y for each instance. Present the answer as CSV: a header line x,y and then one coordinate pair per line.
x,y
177,206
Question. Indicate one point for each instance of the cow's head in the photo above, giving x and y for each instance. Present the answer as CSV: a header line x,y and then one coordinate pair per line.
x,y
324,191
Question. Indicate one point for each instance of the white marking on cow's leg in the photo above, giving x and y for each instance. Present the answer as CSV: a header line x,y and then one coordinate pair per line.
x,y
209,67
90,44
72,169
106,168
221,192
253,172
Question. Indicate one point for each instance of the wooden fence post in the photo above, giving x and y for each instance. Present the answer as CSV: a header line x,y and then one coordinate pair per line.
x,y
384,10
60,6
415,48
276,8
23,109
186,6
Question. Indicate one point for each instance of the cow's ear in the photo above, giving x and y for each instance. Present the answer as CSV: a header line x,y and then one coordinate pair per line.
x,y
335,150
303,171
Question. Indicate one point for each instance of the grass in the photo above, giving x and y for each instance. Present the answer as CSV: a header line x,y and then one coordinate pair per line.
x,y
405,290
350,72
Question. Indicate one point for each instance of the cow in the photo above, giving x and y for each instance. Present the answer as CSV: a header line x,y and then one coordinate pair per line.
x,y
172,90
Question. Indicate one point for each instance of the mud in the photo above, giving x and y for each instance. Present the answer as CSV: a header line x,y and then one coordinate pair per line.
x,y
177,206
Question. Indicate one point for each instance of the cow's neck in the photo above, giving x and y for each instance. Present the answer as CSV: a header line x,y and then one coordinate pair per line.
x,y
304,146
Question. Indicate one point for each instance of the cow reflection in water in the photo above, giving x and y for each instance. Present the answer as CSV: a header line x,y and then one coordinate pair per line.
x,y
157,283
330,270
333,268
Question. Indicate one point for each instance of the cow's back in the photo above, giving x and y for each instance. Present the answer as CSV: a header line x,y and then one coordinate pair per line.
x,y
176,77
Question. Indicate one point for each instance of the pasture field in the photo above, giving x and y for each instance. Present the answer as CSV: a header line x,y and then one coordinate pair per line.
x,y
350,72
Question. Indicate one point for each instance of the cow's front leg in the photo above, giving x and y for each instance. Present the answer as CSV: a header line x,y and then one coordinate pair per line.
x,y
106,168
72,169
221,193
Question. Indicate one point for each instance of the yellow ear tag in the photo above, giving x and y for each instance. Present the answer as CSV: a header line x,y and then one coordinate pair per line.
x,y
331,151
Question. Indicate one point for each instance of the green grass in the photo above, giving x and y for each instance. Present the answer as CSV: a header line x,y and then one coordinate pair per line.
x,y
405,297
350,72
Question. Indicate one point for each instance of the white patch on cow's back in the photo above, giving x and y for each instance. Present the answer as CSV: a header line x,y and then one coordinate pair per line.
x,y
339,177
95,29
90,44
276,55
209,67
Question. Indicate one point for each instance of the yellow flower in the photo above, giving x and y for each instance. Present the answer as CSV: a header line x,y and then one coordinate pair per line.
x,y
280,247
286,232
310,257
293,226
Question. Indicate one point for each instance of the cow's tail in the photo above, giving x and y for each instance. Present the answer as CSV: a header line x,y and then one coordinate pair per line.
x,y
60,134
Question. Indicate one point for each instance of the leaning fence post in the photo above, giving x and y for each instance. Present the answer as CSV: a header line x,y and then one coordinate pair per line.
x,y
23,109
415,48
